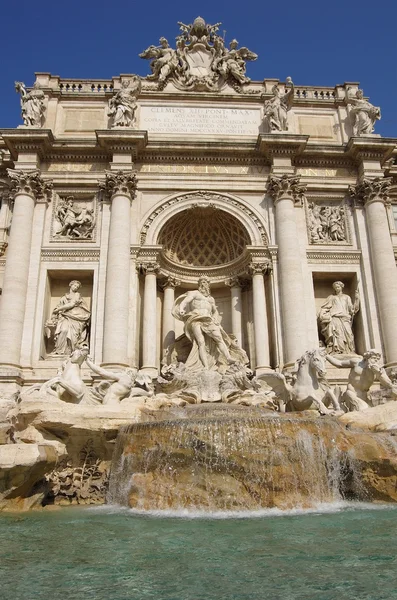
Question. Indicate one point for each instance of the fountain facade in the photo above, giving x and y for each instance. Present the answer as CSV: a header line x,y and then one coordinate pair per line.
x,y
195,237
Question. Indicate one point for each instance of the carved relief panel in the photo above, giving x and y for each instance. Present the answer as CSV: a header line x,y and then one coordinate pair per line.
x,y
74,220
327,223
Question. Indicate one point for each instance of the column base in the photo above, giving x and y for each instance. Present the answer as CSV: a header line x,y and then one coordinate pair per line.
x,y
262,370
151,371
120,365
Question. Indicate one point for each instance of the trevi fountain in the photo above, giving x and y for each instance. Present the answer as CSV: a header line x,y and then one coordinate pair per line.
x,y
199,301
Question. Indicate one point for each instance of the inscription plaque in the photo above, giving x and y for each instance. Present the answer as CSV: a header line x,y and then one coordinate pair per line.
x,y
200,120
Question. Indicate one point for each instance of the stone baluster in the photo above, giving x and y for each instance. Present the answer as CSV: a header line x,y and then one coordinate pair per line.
x,y
168,331
149,341
260,316
27,187
236,308
374,194
120,187
286,191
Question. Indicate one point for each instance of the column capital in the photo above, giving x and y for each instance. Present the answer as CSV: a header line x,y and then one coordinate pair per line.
x,y
169,282
236,282
150,268
30,183
371,190
260,268
122,183
286,186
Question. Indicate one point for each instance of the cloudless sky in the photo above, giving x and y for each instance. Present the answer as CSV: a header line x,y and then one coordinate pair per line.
x,y
323,42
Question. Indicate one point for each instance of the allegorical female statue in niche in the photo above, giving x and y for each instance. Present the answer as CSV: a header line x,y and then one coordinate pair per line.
x,y
69,322
336,317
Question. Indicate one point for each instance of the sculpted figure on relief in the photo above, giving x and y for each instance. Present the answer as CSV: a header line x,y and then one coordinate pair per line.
x,y
326,224
121,385
276,109
32,104
74,222
336,317
123,105
69,322
363,372
211,344
363,114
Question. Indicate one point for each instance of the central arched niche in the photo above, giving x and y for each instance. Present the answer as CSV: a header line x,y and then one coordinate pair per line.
x,y
203,237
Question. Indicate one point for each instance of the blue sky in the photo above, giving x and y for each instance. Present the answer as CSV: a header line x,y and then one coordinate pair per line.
x,y
314,42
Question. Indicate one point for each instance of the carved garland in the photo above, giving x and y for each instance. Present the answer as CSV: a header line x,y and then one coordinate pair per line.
x,y
208,196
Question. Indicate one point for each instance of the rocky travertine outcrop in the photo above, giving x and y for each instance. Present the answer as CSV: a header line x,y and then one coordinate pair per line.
x,y
249,460
375,418
55,452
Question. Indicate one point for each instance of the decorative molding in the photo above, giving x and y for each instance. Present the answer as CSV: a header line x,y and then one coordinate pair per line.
x,y
206,197
72,254
334,256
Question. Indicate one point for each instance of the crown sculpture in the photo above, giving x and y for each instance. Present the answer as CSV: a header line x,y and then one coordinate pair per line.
x,y
200,61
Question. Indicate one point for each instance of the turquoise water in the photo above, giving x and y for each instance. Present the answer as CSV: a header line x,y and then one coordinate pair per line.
x,y
338,552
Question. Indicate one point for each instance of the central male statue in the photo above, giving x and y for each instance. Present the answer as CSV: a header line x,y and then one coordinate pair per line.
x,y
211,344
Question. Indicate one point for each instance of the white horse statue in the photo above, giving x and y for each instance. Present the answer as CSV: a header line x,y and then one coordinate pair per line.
x,y
309,389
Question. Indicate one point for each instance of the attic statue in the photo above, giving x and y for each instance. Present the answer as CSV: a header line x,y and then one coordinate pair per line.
x,y
276,109
363,114
123,105
32,104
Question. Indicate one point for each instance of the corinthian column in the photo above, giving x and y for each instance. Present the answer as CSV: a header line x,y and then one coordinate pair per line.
x,y
120,187
149,341
286,191
374,193
27,187
260,317
168,320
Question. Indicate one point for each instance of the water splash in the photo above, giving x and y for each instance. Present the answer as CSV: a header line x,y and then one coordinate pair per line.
x,y
223,458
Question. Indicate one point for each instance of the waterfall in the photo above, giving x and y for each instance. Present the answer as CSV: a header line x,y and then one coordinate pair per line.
x,y
222,457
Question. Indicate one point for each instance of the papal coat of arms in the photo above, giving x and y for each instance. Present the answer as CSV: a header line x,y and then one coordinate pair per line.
x,y
200,61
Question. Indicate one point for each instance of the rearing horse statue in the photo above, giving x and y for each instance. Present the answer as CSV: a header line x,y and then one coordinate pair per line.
x,y
309,389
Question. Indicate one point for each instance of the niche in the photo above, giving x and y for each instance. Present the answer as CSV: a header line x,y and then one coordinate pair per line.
x,y
67,312
323,289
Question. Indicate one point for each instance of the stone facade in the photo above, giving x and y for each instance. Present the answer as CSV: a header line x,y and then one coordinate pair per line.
x,y
137,187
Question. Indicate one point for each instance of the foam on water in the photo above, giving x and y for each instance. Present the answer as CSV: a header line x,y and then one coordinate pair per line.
x,y
320,508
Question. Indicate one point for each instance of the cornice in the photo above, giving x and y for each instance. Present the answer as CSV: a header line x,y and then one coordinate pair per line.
x,y
207,157
370,148
27,139
131,141
283,144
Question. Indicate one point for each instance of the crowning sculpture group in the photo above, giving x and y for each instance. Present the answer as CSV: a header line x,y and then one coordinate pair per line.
x,y
201,62
216,367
